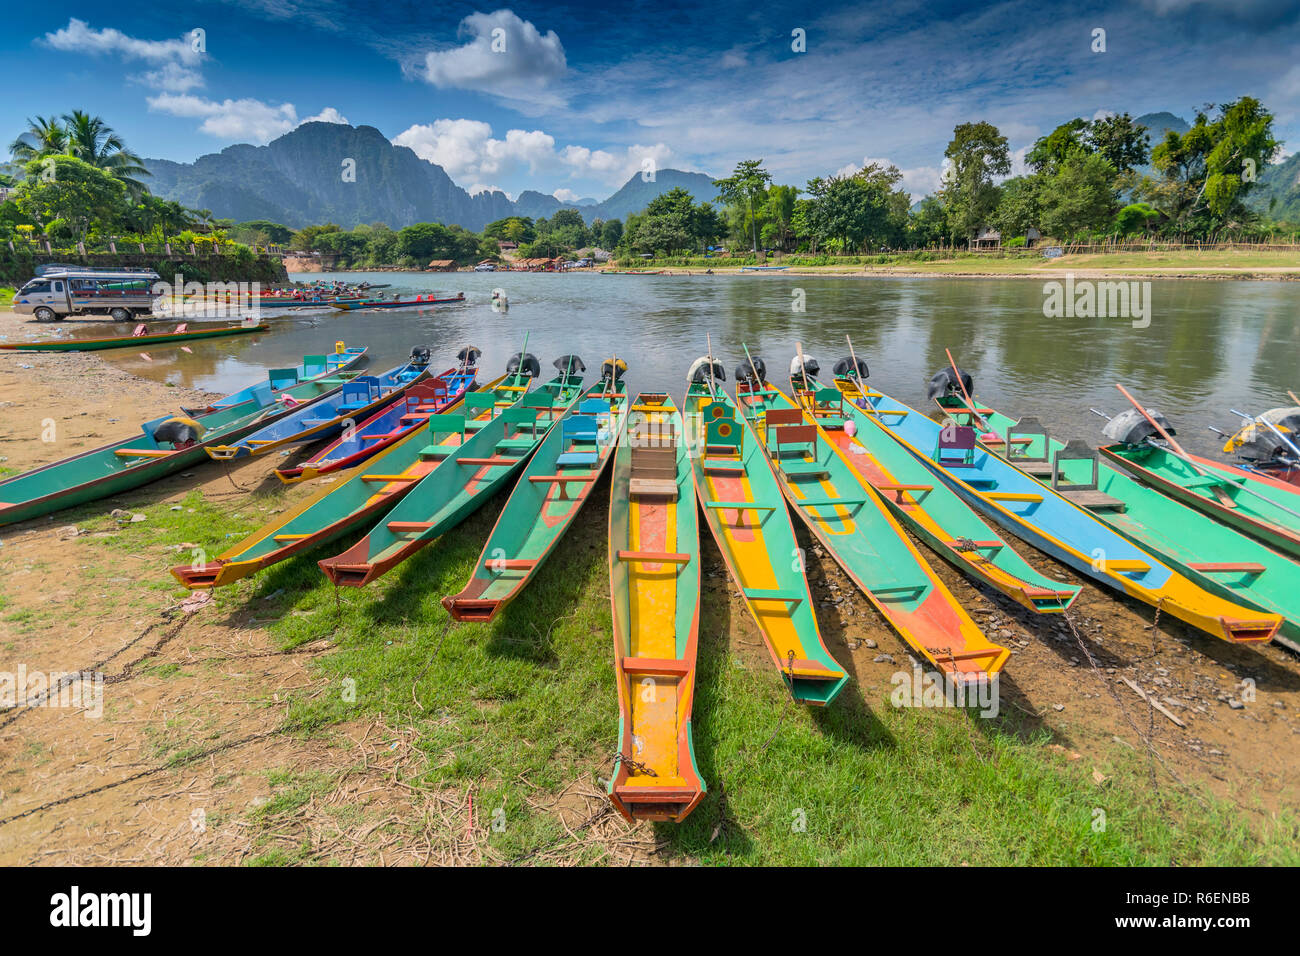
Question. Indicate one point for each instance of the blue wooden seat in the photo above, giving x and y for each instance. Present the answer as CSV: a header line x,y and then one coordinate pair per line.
x,y
578,429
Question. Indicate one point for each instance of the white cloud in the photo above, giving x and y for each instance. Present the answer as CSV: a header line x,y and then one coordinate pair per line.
x,y
328,115
617,167
507,57
566,195
244,119
918,182
172,77
79,37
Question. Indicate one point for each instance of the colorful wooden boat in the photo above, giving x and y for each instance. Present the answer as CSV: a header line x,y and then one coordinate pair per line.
x,y
358,399
167,444
654,586
1230,495
745,511
1054,524
385,427
507,430
856,527
365,493
182,333
344,360
1216,557
418,302
554,486
929,508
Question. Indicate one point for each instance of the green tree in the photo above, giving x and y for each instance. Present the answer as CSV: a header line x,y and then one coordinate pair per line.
x,y
611,233
977,154
1135,218
93,141
1018,206
1119,140
928,226
745,188
44,136
778,211
1048,152
1080,198
64,194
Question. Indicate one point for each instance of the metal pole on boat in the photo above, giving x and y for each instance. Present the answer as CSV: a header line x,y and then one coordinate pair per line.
x,y
803,377
1261,420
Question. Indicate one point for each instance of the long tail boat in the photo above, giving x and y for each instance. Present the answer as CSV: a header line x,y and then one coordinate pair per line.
x,y
387,426
419,301
182,333
745,512
929,508
856,527
1250,504
358,399
1216,557
654,586
1055,524
366,492
507,430
343,359
166,444
552,489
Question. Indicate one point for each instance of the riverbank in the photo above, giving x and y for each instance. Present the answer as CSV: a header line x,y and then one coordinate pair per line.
x,y
282,721
1224,264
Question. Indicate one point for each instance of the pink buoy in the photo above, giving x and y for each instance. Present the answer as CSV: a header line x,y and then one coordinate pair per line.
x,y
850,428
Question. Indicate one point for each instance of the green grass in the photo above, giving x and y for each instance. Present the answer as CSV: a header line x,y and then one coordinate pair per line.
x,y
6,296
532,698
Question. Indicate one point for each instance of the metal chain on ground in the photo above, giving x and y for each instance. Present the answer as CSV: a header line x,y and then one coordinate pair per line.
x,y
1145,738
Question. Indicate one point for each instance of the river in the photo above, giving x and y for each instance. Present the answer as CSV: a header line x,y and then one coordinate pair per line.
x,y
1210,345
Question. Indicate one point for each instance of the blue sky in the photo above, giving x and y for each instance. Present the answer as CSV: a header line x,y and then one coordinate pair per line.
x,y
583,94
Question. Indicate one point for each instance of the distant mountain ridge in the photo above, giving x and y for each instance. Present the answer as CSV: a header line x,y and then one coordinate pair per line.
x,y
331,172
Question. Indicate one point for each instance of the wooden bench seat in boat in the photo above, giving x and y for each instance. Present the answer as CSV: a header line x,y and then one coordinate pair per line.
x,y
654,464
1085,494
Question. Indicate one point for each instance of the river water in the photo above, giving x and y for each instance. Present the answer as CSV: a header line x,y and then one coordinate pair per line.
x,y
1210,345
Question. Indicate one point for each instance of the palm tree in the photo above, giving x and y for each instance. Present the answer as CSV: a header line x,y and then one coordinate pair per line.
x,y
93,141
43,137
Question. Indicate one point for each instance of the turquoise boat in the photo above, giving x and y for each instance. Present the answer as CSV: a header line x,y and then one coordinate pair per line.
x,y
503,432
1219,559
1058,526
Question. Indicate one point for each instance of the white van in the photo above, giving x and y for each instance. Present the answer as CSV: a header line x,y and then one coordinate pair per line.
x,y
60,291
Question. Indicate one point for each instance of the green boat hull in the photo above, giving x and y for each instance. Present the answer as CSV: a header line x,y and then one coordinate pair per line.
x,y
446,497
535,518
101,472
1215,556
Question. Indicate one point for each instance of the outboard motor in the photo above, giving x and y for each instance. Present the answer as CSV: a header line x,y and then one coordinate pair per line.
x,y
612,369
1255,441
525,363
180,431
569,365
699,373
1131,428
745,374
421,355
845,367
944,383
468,356
803,374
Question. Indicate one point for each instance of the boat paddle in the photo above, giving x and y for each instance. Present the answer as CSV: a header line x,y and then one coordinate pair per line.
x,y
970,402
1224,498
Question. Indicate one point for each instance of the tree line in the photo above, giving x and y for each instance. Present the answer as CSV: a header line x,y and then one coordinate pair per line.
x,y
74,179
